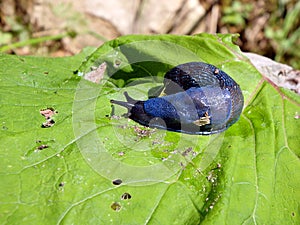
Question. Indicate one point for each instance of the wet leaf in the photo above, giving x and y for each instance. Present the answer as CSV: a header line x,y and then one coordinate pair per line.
x,y
248,174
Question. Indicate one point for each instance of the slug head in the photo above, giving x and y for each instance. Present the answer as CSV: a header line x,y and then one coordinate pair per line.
x,y
176,112
135,109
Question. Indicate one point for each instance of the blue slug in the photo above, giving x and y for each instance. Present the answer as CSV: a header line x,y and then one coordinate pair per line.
x,y
197,98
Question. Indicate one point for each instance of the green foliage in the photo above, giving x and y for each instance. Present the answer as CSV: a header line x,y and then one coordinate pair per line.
x,y
5,37
35,41
21,34
18,30
284,33
64,174
237,14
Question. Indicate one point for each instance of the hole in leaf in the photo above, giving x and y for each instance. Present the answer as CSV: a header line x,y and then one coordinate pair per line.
x,y
117,63
116,206
125,196
41,147
48,113
117,182
48,123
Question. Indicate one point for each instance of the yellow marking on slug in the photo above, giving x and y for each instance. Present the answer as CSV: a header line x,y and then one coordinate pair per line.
x,y
203,120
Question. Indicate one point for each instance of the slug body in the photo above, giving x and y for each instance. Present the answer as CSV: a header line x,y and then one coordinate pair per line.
x,y
198,98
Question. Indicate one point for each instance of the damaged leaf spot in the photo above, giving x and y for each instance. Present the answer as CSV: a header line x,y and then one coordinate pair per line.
x,y
41,147
121,153
146,132
116,206
125,196
211,177
117,63
97,74
48,113
117,182
48,123
187,151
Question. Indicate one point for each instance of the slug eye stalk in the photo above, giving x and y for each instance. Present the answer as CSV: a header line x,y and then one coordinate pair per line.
x,y
129,104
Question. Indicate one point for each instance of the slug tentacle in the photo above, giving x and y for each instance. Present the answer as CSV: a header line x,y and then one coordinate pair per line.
x,y
129,104
197,98
121,103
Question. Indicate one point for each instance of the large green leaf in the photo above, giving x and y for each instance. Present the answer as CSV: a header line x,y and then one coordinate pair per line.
x,y
65,173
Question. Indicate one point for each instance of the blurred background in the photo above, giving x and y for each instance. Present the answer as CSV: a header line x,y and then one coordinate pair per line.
x,y
64,27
